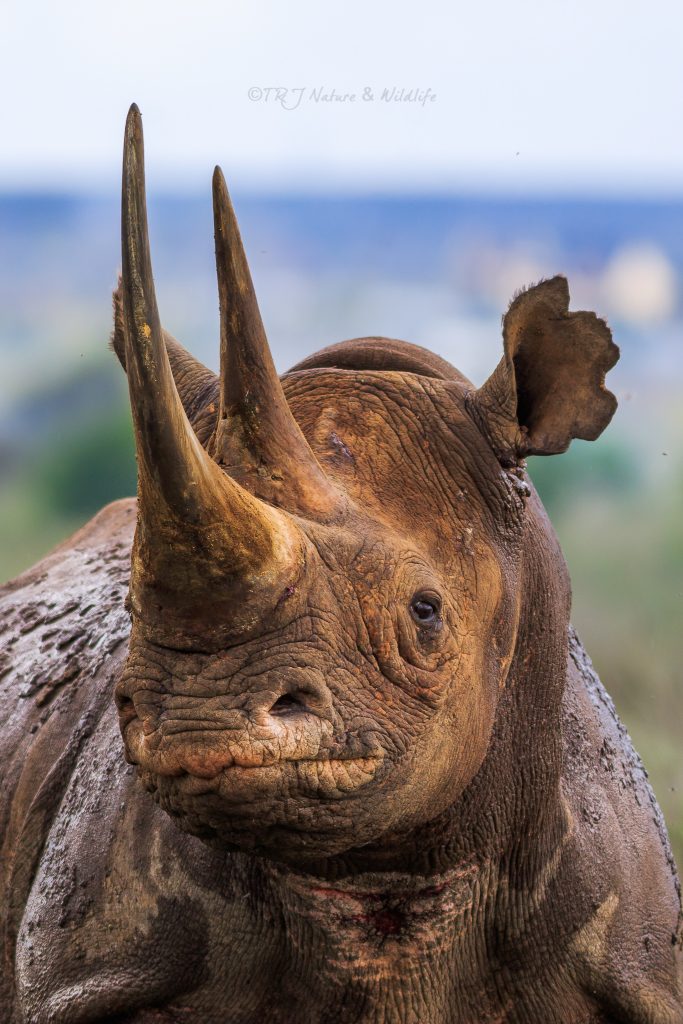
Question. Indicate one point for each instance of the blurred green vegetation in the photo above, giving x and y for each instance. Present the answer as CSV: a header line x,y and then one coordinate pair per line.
x,y
63,475
89,468
615,508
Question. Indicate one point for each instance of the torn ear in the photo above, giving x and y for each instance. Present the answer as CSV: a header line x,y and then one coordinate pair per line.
x,y
197,386
549,387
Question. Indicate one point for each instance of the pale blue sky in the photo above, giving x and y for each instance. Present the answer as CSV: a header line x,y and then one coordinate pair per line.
x,y
530,95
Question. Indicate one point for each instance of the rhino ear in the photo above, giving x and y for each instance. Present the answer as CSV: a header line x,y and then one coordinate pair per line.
x,y
549,387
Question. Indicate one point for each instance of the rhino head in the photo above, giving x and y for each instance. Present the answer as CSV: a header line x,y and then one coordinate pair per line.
x,y
349,610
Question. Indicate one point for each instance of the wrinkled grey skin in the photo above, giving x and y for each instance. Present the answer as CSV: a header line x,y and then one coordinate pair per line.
x,y
362,769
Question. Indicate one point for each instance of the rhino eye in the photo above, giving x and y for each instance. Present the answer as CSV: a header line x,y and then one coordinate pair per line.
x,y
426,608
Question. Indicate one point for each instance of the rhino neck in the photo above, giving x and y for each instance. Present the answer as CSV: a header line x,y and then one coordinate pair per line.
x,y
514,804
350,936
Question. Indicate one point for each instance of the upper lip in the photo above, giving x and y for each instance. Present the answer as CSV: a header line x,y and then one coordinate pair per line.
x,y
256,758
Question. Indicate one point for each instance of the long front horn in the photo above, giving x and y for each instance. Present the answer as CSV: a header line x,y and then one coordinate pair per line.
x,y
196,385
257,437
196,526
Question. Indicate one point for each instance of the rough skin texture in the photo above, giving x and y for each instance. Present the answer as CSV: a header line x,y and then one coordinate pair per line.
x,y
543,891
378,781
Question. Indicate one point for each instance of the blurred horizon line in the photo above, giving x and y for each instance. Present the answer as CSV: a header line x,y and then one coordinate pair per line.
x,y
10,191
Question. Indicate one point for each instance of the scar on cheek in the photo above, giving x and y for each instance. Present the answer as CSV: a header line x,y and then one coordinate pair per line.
x,y
287,593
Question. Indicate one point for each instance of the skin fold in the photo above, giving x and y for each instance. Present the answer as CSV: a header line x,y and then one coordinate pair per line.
x,y
304,732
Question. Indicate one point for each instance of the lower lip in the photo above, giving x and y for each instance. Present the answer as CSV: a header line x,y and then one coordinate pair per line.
x,y
345,763
240,782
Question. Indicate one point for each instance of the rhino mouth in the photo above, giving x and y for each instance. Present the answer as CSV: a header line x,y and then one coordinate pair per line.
x,y
244,807
219,763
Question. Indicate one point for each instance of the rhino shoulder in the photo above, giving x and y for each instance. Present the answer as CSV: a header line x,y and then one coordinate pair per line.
x,y
61,619
628,948
63,633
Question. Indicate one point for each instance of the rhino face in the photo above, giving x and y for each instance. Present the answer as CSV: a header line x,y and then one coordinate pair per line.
x,y
358,695
326,593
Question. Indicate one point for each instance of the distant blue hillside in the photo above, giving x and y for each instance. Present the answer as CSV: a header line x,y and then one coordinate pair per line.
x,y
402,236
438,270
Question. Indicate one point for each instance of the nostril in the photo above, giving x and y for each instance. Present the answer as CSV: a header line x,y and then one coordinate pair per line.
x,y
121,700
289,704
125,707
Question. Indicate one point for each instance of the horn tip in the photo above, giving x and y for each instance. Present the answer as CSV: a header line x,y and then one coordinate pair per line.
x,y
133,126
134,118
219,180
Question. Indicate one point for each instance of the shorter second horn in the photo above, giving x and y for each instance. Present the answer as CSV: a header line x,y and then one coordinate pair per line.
x,y
257,438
